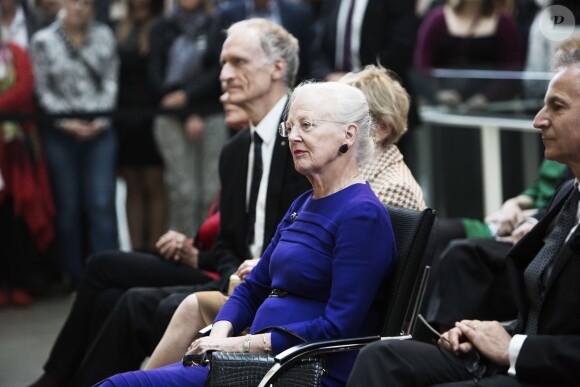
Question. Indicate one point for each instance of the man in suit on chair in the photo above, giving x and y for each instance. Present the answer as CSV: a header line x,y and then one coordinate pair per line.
x,y
257,75
541,347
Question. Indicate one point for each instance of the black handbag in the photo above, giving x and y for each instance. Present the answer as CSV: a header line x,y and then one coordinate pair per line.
x,y
237,369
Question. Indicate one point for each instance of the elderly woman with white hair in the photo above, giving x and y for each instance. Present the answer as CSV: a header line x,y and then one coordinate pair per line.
x,y
334,235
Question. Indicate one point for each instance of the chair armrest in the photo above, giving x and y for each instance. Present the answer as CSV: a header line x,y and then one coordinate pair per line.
x,y
290,356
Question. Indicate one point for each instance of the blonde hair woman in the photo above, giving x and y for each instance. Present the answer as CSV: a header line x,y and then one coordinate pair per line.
x,y
387,173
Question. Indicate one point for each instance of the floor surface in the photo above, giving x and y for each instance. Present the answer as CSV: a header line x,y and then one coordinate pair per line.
x,y
26,336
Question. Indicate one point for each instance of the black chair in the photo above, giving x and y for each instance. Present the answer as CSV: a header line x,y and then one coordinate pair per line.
x,y
401,296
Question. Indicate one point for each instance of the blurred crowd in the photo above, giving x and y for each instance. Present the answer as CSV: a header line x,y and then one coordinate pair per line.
x,y
92,90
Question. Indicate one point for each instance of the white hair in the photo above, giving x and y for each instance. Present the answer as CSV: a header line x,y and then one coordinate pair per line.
x,y
350,106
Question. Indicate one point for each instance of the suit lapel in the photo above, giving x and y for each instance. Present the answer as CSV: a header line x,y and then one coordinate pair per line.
x,y
566,252
278,167
526,250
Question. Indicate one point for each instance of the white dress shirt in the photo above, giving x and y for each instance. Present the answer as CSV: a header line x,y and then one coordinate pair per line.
x,y
267,129
356,30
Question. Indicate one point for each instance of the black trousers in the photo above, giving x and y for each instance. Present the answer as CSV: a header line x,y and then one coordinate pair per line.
x,y
471,283
127,336
417,364
132,331
108,277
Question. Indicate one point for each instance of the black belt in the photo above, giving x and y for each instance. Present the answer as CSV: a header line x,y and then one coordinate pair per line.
x,y
278,293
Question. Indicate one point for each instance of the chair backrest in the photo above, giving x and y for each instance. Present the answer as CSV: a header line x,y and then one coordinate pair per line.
x,y
412,231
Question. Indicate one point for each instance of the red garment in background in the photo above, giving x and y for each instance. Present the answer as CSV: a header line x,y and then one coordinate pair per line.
x,y
22,162
207,232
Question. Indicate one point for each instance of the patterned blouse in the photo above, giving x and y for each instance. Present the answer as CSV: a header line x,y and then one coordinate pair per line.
x,y
63,82
392,181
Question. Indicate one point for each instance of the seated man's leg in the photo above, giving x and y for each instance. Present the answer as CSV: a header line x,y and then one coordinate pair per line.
x,y
124,340
165,312
194,313
405,363
492,381
467,277
107,271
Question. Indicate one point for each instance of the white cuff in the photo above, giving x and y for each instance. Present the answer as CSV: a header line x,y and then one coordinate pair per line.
x,y
514,351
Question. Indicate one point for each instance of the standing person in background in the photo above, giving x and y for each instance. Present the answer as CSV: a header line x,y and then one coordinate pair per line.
x,y
47,11
541,49
76,67
103,10
26,208
466,34
184,68
140,163
354,33
17,22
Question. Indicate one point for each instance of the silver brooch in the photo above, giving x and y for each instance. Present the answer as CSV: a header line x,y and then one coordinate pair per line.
x,y
293,216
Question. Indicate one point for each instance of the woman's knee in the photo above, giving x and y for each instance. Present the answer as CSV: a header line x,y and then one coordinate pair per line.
x,y
189,307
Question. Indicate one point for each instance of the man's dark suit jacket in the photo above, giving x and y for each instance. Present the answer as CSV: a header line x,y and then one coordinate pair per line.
x,y
297,18
387,36
552,356
284,186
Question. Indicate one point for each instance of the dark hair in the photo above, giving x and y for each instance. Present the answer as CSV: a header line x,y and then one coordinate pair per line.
x,y
156,7
488,7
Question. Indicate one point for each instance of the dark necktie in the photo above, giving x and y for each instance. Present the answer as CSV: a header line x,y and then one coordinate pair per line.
x,y
346,64
534,273
254,187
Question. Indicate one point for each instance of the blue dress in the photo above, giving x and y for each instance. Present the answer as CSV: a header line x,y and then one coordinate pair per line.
x,y
330,255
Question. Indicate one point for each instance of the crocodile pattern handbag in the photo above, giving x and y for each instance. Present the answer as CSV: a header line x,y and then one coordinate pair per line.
x,y
229,369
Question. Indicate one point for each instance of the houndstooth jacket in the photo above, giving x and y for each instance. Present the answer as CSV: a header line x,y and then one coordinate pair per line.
x,y
392,181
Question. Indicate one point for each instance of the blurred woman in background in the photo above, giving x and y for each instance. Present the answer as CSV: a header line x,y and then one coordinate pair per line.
x,y
26,208
76,67
140,164
184,68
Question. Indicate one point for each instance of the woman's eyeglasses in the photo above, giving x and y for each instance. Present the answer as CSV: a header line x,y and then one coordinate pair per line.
x,y
305,126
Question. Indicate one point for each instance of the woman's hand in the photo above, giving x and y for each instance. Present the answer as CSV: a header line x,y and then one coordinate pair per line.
x,y
448,97
174,100
225,344
261,343
81,129
476,102
175,246
246,267
194,127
